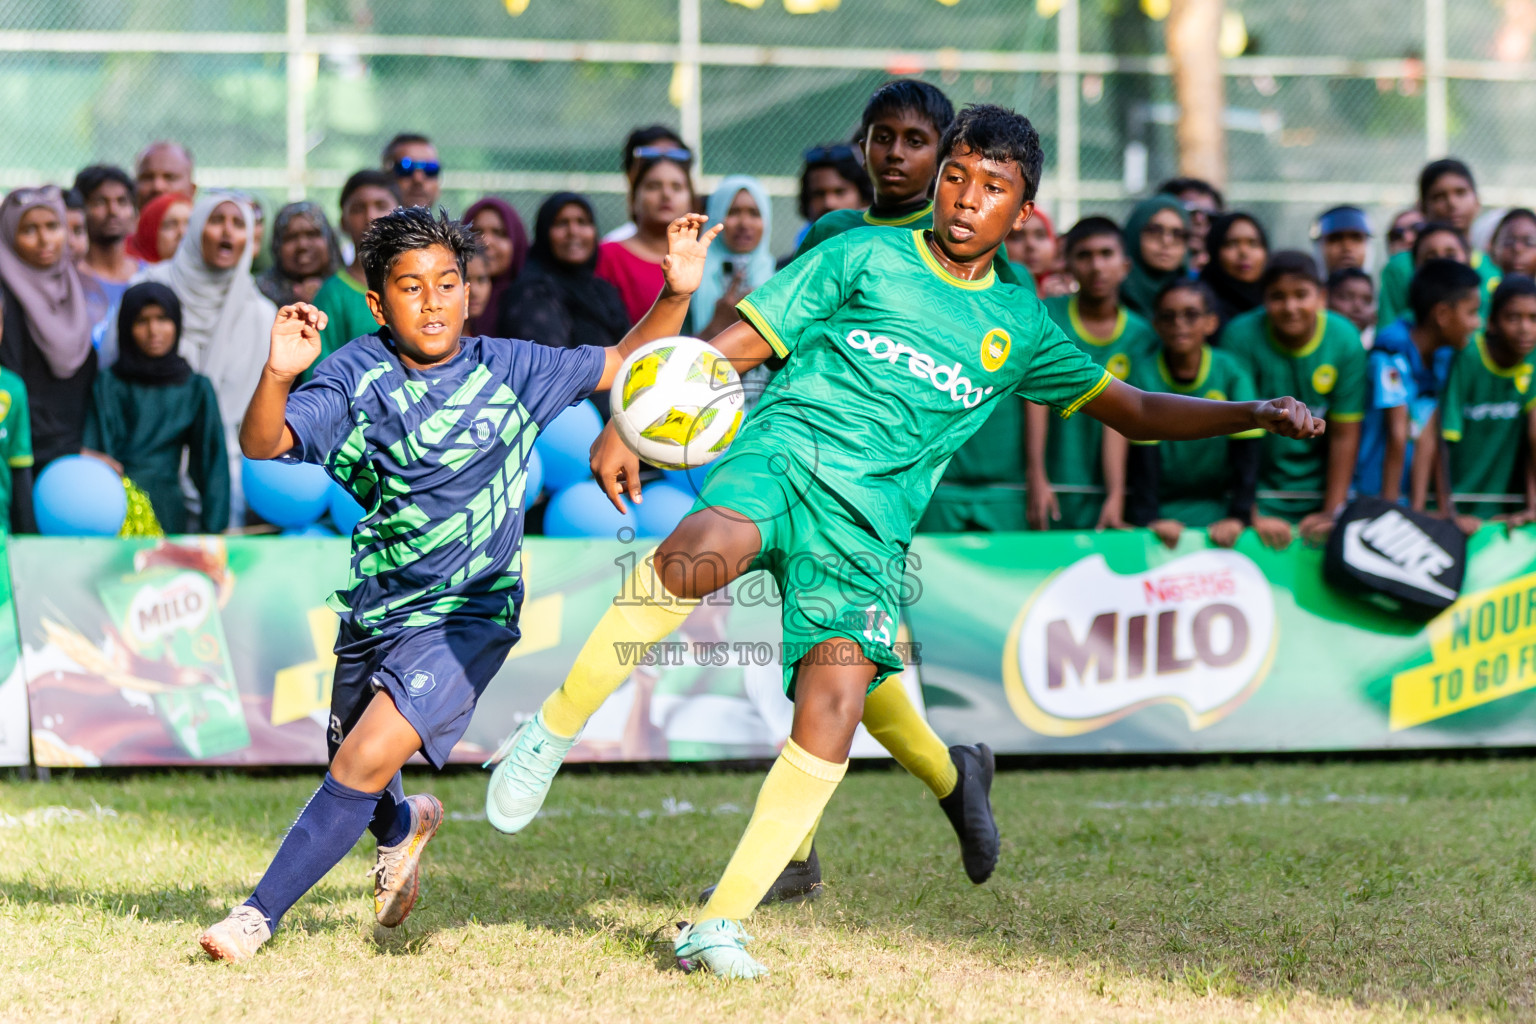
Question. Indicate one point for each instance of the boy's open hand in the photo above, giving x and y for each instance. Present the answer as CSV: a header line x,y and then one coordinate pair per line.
x,y
1289,418
683,264
295,339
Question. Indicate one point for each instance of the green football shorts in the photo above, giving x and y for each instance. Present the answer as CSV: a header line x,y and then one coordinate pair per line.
x,y
835,576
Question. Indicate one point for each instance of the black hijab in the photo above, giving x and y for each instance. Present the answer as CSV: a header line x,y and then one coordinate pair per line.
x,y
594,310
1232,296
132,364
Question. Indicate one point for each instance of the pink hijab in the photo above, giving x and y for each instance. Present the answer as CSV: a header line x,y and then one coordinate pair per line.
x,y
52,298
486,323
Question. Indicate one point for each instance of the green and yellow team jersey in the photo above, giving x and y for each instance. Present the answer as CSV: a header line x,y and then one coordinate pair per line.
x,y
1327,373
969,497
1483,414
345,303
1073,457
15,437
1392,296
892,363
1196,479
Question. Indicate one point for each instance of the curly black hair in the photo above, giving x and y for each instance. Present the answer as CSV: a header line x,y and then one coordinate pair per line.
x,y
405,229
1000,134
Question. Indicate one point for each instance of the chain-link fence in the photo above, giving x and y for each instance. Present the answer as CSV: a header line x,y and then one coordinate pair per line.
x,y
1328,101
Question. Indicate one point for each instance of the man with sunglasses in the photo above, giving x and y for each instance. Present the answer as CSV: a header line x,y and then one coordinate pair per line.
x,y
412,160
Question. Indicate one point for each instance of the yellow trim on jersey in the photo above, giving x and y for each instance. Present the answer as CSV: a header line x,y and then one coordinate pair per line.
x,y
1083,332
1089,395
1248,434
1451,435
1493,367
1305,350
351,282
752,315
20,461
1200,376
899,222
1345,417
980,284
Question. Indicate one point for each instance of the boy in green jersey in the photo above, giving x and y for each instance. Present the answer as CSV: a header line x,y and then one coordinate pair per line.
x,y
1447,194
1066,466
1174,484
1293,346
1486,413
893,346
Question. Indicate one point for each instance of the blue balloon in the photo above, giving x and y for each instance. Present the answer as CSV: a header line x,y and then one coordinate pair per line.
x,y
535,484
664,507
583,510
78,496
346,513
564,446
312,530
286,494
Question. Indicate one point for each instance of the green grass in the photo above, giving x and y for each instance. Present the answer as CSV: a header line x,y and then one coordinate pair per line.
x,y
1339,892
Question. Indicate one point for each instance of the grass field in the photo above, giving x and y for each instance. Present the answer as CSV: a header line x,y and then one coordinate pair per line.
x,y
1338,892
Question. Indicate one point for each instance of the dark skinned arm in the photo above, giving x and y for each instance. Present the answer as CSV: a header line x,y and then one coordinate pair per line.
x,y
1041,505
1343,448
615,467
22,519
1145,416
1396,454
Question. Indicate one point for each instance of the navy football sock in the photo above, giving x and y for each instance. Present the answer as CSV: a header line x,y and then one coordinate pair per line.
x,y
392,818
328,826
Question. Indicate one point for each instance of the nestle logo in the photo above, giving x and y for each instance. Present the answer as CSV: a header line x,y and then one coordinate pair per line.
x,y
1193,586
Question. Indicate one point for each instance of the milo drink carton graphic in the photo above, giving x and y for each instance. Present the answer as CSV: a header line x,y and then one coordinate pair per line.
x,y
168,618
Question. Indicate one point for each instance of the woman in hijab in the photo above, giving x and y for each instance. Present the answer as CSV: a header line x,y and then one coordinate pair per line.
x,y
46,338
226,323
1157,244
557,299
1238,249
162,222
504,242
304,254
739,260
150,410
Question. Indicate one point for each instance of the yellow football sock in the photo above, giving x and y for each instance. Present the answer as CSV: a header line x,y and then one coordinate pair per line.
x,y
643,613
805,844
894,722
788,806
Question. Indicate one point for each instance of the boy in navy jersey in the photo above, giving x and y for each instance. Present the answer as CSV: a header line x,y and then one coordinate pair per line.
x,y
431,433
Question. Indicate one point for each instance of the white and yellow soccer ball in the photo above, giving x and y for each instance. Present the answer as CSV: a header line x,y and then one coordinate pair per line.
x,y
677,403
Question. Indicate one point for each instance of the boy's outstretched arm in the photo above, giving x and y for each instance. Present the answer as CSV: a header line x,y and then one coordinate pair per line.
x,y
1145,416
683,267
264,433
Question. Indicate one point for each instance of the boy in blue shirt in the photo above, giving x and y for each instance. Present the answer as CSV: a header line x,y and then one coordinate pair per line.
x,y
1407,370
431,433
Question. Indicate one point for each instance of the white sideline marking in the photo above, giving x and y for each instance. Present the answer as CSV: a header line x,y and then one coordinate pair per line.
x,y
55,815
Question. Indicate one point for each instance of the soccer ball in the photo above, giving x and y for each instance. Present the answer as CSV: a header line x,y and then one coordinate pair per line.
x,y
677,403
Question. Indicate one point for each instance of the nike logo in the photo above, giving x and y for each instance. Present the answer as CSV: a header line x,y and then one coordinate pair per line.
x,y
1392,546
537,747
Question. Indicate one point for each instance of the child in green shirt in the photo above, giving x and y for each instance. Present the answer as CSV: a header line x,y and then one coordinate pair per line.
x,y
1066,468
1447,195
1173,484
1485,416
343,298
1293,346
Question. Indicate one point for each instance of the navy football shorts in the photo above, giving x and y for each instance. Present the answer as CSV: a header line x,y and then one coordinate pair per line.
x,y
434,674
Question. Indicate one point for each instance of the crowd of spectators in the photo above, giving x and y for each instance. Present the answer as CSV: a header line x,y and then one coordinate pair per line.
x,y
135,328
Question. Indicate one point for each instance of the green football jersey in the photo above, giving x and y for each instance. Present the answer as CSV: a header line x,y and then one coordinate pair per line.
x,y
994,456
1483,415
892,363
1397,275
1195,484
1327,373
15,437
1073,456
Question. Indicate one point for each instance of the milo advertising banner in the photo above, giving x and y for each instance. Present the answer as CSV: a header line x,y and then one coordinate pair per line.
x,y
1077,642
218,651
